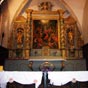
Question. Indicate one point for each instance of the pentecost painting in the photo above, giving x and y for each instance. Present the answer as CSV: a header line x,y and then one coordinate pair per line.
x,y
45,33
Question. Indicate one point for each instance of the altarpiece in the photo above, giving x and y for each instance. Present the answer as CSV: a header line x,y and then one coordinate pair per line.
x,y
45,34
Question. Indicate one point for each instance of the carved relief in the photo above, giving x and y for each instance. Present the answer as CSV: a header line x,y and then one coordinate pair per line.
x,y
45,6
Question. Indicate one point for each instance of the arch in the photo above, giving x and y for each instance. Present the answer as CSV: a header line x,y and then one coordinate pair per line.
x,y
73,15
24,5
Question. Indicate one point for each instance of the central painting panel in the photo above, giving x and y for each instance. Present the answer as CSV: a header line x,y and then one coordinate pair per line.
x,y
45,33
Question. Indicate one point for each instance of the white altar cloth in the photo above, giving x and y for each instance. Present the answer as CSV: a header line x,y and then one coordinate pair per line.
x,y
56,78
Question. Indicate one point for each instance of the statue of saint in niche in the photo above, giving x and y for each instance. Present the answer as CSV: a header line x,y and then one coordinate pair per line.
x,y
70,35
19,35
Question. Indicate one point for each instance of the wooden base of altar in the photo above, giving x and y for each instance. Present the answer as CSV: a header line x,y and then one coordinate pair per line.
x,y
34,65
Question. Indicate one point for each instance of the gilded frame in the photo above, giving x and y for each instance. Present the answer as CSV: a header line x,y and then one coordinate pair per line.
x,y
45,16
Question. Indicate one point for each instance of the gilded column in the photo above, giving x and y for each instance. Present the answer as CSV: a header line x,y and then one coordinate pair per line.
x,y
28,34
62,33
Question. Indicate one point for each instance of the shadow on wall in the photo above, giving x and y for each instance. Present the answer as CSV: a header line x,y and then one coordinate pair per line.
x,y
3,55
